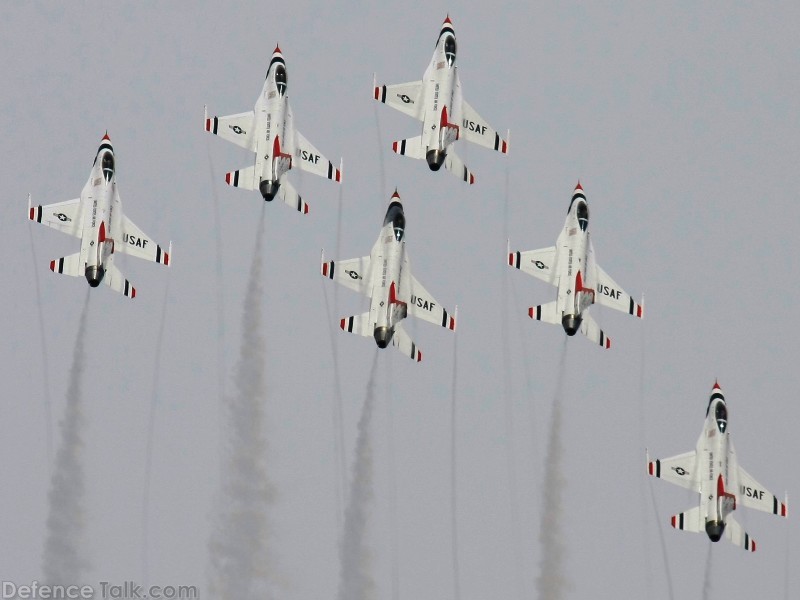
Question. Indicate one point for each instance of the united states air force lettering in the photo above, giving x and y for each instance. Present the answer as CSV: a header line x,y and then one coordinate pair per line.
x,y
135,240
422,303
752,493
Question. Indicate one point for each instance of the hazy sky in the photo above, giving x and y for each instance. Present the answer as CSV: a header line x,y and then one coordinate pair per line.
x,y
680,122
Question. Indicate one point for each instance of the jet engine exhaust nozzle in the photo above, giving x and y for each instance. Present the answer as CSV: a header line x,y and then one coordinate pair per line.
x,y
383,335
268,189
715,529
94,275
435,159
571,324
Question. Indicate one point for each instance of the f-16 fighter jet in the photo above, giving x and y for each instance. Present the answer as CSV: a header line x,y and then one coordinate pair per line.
x,y
445,115
713,471
97,218
385,277
269,131
571,267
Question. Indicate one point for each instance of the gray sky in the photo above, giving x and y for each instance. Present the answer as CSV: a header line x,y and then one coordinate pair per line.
x,y
681,123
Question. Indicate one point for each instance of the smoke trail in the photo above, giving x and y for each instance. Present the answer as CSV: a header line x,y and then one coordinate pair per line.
x,y
662,541
551,582
356,582
707,578
454,475
395,551
64,561
508,405
382,169
148,461
48,411
238,547
338,419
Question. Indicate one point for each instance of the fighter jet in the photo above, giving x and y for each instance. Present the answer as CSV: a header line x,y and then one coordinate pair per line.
x,y
445,115
571,267
385,277
269,132
713,471
97,218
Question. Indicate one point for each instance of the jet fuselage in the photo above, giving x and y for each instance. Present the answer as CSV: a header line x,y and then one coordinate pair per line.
x,y
575,264
273,117
388,257
101,209
442,94
717,487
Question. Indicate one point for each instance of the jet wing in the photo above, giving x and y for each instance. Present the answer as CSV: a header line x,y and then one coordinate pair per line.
x,y
64,216
405,97
136,242
237,129
475,129
421,304
754,495
680,470
354,273
540,263
610,294
313,161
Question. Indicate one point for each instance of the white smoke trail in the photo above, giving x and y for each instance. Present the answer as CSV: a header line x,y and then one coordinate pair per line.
x,y
707,577
454,475
356,581
239,551
148,457
64,560
48,411
551,582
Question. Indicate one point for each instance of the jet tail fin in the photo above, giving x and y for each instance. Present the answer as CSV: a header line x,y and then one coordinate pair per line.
x,y
246,178
358,324
591,330
738,536
548,313
290,196
411,147
69,265
117,282
456,166
402,341
689,521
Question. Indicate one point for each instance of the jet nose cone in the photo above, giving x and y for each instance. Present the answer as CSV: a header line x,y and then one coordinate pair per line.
x,y
571,324
106,138
447,21
579,187
395,196
383,335
277,49
715,529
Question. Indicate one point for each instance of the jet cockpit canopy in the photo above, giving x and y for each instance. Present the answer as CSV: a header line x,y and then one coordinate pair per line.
x,y
450,50
396,217
721,415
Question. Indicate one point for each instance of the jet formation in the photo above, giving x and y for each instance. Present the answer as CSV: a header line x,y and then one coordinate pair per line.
x,y
97,219
268,131
385,278
437,101
712,470
570,266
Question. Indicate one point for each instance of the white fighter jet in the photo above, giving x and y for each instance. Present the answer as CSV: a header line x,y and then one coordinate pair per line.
x,y
571,267
445,115
713,471
269,132
385,277
97,218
